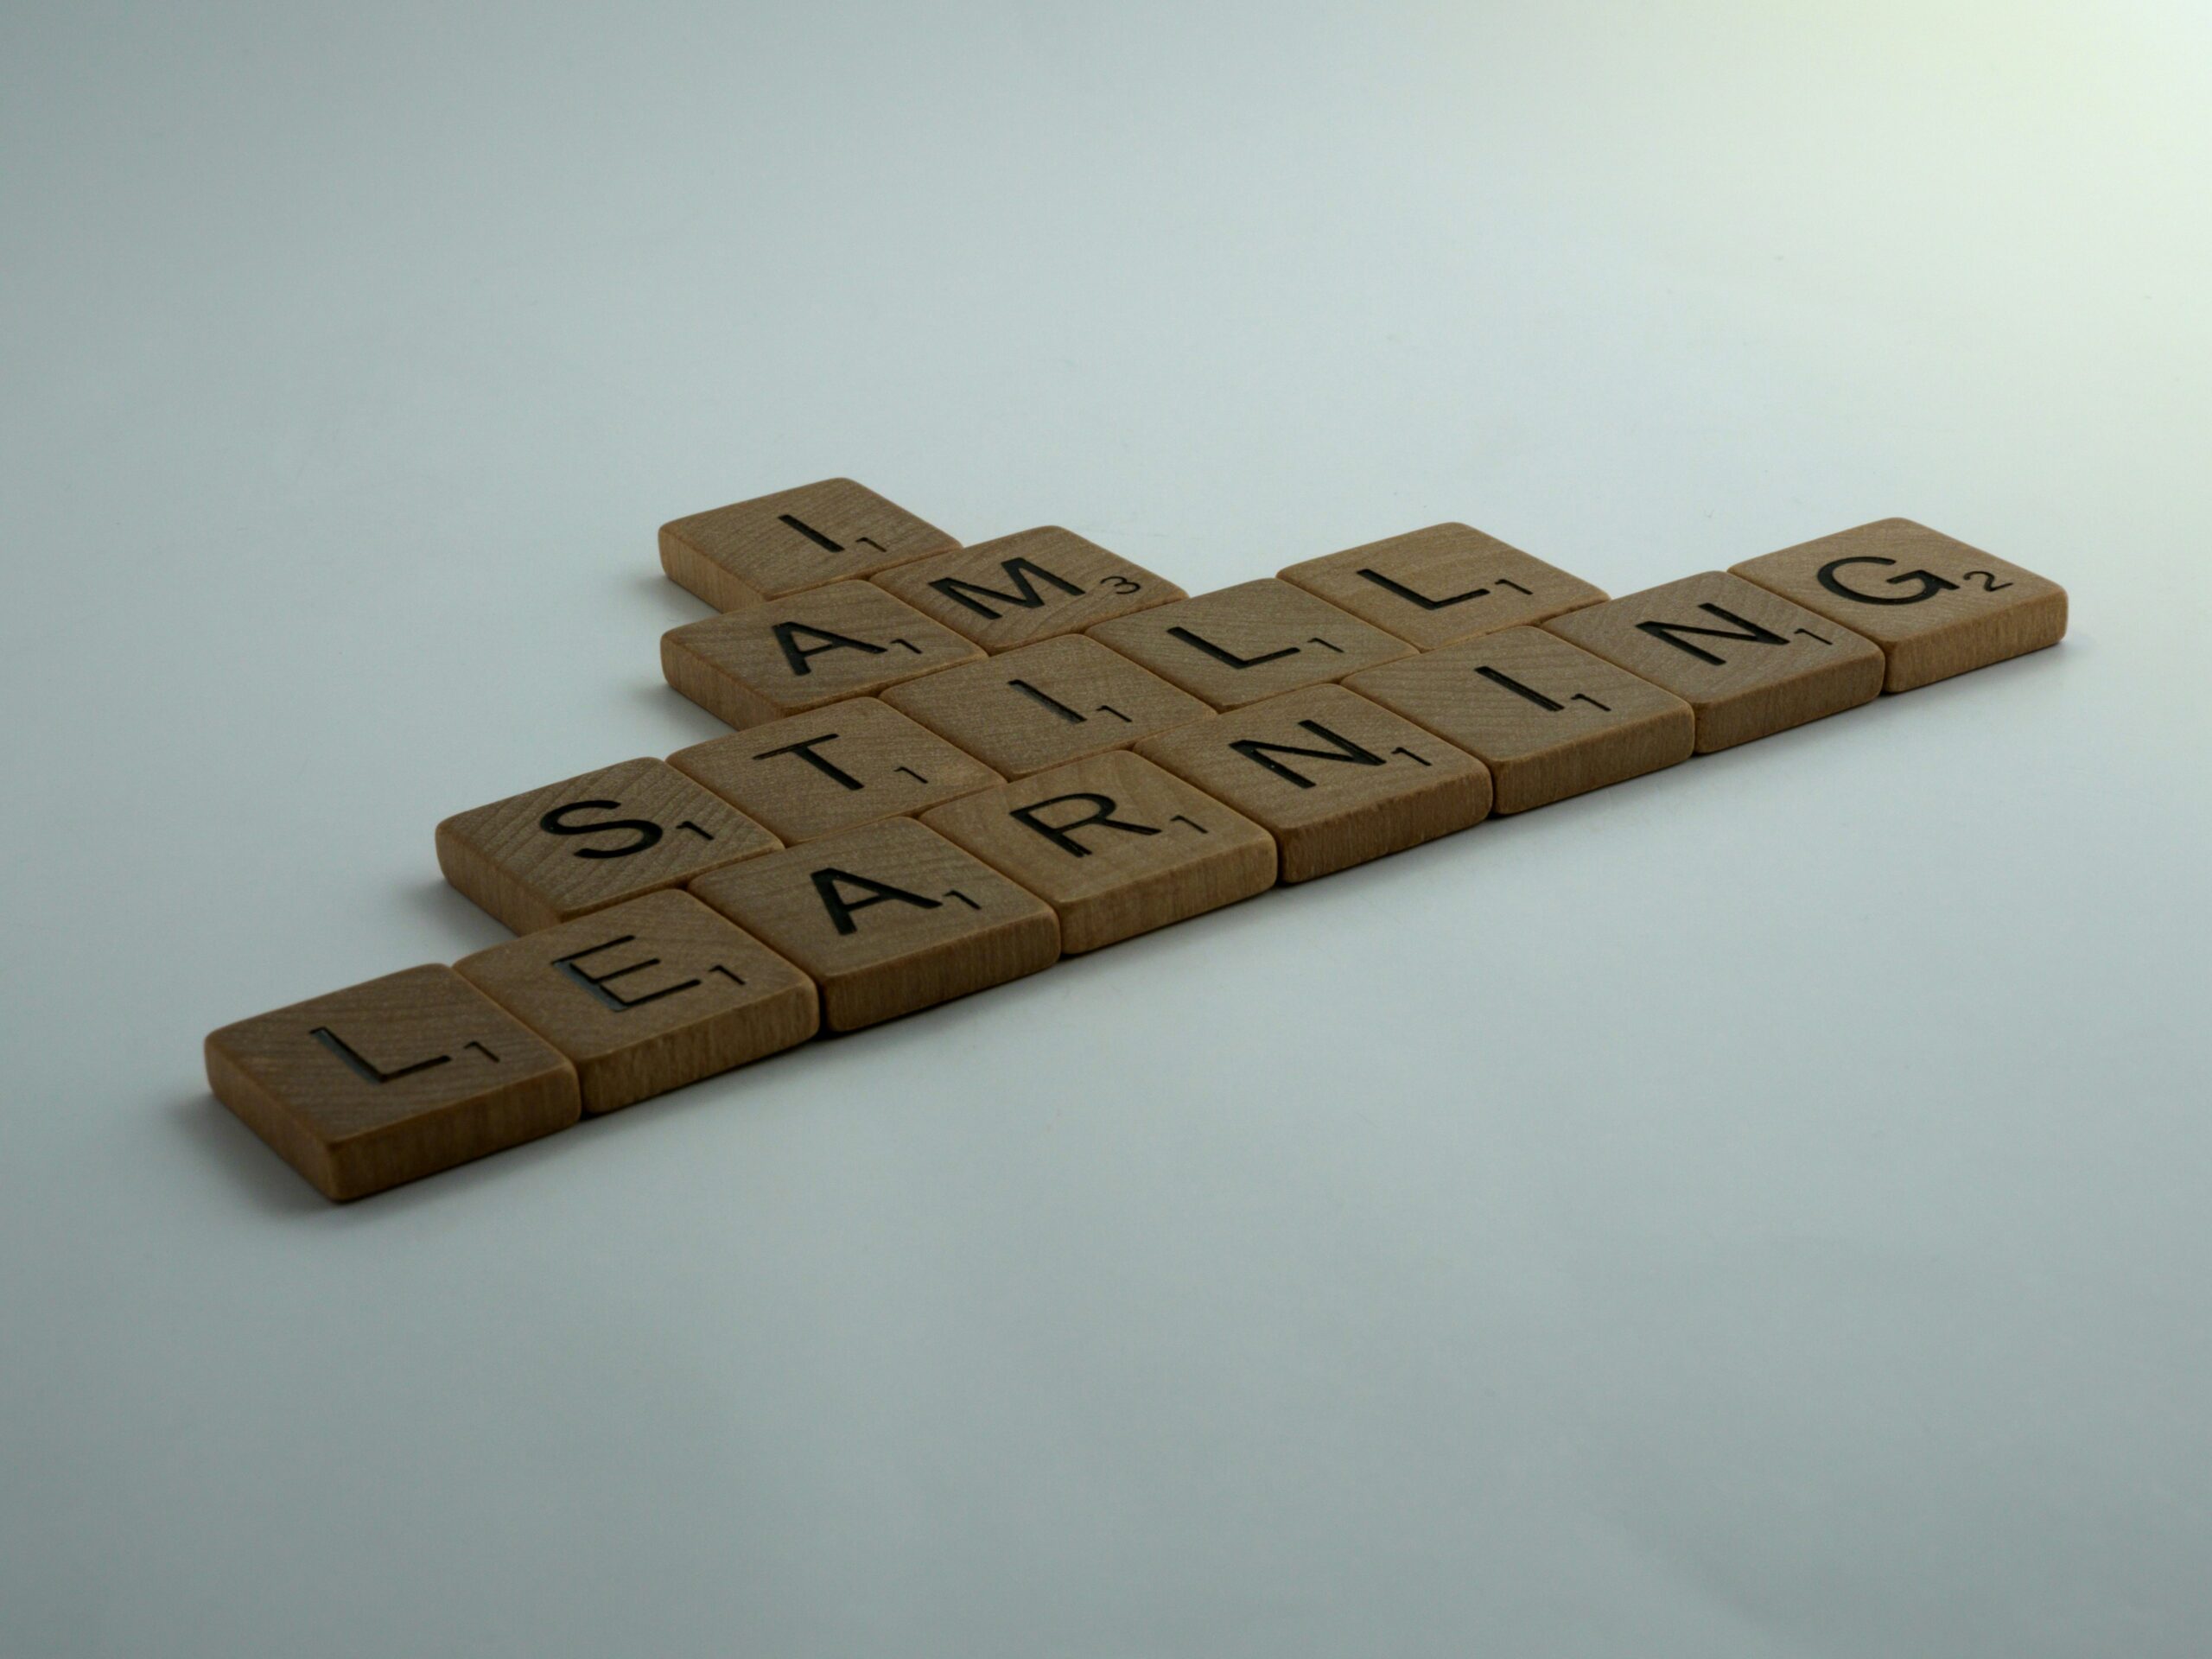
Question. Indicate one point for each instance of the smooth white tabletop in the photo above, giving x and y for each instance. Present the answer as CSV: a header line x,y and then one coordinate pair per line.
x,y
1758,1210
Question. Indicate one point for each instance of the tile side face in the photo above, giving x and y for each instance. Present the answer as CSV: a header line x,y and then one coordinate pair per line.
x,y
1037,584
571,848
390,1080
837,767
1258,639
1116,845
774,545
1447,582
1936,606
1046,704
649,996
790,656
1335,779
1747,661
1547,718
887,919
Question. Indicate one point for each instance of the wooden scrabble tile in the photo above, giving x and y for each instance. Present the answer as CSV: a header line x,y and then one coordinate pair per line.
x,y
1046,704
1238,645
1935,606
1447,582
1335,779
888,919
1115,844
835,768
775,545
1748,662
384,1082
1036,584
578,846
787,656
645,996
1547,718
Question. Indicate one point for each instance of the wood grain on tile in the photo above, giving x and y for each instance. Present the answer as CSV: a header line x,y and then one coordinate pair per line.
x,y
1748,662
1116,846
1334,778
1045,704
774,545
1238,645
390,1080
887,918
1548,719
1446,582
1935,606
578,846
1036,584
837,767
787,656
648,995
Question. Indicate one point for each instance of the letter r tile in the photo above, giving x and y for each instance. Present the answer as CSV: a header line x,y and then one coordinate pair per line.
x,y
646,996
887,918
1935,606
572,847
1748,662
1238,645
390,1080
775,545
788,656
1115,844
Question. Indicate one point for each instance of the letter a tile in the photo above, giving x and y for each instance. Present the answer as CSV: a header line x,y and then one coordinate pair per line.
x,y
384,1082
1748,662
1035,585
839,768
1115,844
1335,779
572,847
1046,704
887,918
1935,606
850,640
1238,645
1447,582
774,545
1547,718
646,996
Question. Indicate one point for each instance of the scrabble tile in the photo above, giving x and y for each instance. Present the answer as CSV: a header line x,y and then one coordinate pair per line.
x,y
1037,584
787,656
1547,718
835,768
1447,582
1046,704
645,996
1115,844
572,847
1935,606
1238,645
776,545
390,1080
887,918
1749,662
1335,779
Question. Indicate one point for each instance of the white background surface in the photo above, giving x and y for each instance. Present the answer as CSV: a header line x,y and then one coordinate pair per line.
x,y
1759,1209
